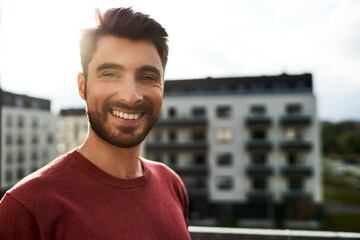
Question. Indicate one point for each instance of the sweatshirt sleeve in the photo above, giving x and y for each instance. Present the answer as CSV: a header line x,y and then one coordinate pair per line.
x,y
16,222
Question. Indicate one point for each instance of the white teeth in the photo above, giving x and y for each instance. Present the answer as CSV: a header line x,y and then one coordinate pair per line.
x,y
126,115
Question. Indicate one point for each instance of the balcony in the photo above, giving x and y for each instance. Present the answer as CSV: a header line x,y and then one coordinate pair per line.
x,y
197,169
258,145
293,195
258,121
217,233
259,170
197,193
182,122
262,195
295,120
296,145
193,146
297,170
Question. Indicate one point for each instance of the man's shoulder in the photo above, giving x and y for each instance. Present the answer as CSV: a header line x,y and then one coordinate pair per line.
x,y
161,170
40,180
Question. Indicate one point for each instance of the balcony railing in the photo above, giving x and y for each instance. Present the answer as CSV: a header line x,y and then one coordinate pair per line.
x,y
259,170
182,122
258,145
295,120
255,195
197,193
190,169
193,146
217,233
258,121
293,195
297,170
296,145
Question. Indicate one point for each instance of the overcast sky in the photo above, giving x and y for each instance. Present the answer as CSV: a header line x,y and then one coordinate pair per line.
x,y
39,44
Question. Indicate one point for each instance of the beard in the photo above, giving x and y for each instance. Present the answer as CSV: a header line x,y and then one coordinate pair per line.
x,y
122,136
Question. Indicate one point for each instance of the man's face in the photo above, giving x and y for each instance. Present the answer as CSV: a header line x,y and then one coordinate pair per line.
x,y
124,90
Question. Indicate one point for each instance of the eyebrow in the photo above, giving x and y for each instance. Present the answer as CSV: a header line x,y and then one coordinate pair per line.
x,y
148,68
109,66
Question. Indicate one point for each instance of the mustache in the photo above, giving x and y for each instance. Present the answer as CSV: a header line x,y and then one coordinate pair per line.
x,y
140,107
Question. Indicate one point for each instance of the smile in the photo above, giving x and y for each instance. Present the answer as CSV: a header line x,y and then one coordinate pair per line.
x,y
126,116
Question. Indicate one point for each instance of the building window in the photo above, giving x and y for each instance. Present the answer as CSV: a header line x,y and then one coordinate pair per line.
x,y
9,176
45,154
198,112
34,156
224,159
9,157
173,159
258,135
20,156
224,183
293,109
198,135
295,184
172,136
223,112
259,183
44,122
172,112
9,139
20,122
224,135
291,159
35,104
199,159
157,136
19,102
257,110
20,173
9,121
259,158
20,139
50,138
293,134
34,139
35,122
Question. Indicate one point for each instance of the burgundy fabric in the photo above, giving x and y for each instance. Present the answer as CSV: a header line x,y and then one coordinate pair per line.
x,y
71,198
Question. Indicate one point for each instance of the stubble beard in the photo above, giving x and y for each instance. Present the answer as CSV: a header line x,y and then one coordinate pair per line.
x,y
121,136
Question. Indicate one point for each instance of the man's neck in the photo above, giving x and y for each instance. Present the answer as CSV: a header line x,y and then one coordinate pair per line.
x,y
123,163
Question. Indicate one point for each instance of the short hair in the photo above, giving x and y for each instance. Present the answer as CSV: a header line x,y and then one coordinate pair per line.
x,y
126,23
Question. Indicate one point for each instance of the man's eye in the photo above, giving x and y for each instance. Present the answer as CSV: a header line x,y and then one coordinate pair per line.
x,y
149,78
110,74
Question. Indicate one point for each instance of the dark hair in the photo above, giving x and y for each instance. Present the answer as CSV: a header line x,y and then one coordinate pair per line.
x,y
123,22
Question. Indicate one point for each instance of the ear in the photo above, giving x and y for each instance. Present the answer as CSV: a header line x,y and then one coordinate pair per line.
x,y
81,85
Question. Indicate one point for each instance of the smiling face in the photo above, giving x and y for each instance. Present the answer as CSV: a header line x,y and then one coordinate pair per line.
x,y
124,90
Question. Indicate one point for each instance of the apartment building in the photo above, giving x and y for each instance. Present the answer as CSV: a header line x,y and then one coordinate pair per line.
x,y
28,136
247,148
73,128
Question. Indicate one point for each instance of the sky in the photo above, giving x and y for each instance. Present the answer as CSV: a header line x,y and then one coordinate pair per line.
x,y
39,53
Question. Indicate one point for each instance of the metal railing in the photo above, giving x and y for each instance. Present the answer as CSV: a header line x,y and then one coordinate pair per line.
x,y
217,233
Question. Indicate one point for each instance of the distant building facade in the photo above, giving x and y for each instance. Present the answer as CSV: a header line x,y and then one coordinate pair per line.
x,y
73,128
28,136
247,148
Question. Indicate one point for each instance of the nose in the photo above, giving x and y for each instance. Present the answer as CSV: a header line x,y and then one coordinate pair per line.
x,y
129,92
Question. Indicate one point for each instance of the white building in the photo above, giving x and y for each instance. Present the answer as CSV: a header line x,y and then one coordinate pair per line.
x,y
247,148
72,129
28,136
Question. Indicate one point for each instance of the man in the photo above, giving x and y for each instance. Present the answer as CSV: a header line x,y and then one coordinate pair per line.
x,y
103,189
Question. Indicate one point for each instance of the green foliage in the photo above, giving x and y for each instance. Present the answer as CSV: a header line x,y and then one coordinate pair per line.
x,y
341,138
